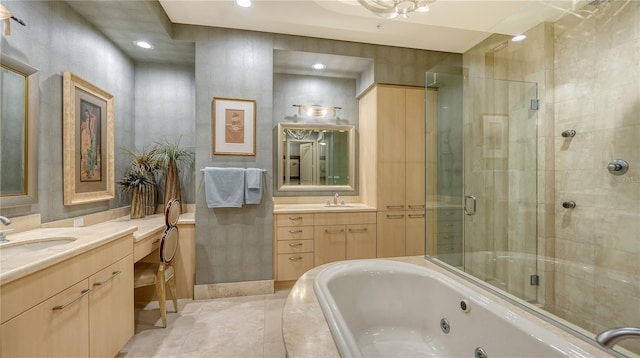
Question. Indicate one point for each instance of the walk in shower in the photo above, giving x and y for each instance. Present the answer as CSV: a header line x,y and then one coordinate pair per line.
x,y
527,141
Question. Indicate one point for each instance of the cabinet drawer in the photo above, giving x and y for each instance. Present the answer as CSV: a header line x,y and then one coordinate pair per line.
x,y
450,249
294,246
295,233
292,266
449,214
449,238
294,219
450,227
146,246
345,218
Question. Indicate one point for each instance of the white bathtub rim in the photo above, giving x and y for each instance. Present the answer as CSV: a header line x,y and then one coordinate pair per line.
x,y
347,345
562,324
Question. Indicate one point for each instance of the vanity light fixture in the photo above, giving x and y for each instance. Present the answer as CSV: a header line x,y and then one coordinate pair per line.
x,y
519,38
319,66
243,3
144,45
390,9
315,110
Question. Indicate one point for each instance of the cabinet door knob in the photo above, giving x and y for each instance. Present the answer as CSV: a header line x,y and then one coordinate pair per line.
x,y
295,217
358,230
294,244
333,231
295,231
295,258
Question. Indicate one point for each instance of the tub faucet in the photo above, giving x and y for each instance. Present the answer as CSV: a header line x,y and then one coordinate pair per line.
x,y
5,220
612,336
335,199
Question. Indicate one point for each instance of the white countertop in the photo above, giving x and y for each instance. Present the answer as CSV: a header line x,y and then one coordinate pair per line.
x,y
320,208
17,265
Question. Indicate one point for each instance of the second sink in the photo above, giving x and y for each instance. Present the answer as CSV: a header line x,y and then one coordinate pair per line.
x,y
33,245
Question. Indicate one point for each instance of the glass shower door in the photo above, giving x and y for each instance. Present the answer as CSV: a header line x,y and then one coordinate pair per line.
x,y
482,216
500,191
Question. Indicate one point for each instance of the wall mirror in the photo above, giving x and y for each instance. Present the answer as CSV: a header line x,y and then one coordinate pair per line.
x,y
316,157
18,133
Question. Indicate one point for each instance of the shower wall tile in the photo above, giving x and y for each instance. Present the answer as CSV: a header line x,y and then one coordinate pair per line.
x,y
597,95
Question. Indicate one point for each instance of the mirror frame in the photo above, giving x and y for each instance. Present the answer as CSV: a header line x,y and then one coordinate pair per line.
x,y
31,169
316,188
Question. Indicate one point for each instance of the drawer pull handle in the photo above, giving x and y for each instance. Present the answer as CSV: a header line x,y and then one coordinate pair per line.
x,y
333,231
295,231
358,230
416,206
416,216
295,217
395,206
113,274
395,216
155,241
82,294
295,258
295,244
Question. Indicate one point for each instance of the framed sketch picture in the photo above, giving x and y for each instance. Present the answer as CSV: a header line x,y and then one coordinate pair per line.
x,y
495,133
234,126
88,142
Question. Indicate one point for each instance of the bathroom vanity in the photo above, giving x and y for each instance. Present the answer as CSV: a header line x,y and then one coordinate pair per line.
x,y
308,235
68,291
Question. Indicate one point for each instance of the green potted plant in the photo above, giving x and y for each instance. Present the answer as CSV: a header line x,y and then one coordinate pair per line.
x,y
140,181
173,157
134,182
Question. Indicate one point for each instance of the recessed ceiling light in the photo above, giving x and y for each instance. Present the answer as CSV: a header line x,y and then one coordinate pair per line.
x,y
519,38
243,3
319,66
143,44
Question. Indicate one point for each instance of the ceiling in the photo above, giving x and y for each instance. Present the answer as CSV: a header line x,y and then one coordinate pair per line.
x,y
450,26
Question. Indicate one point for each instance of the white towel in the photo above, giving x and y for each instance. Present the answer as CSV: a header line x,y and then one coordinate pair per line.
x,y
253,190
224,187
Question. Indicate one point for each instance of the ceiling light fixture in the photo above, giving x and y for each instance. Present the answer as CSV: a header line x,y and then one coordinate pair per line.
x,y
243,3
144,45
319,66
519,38
390,9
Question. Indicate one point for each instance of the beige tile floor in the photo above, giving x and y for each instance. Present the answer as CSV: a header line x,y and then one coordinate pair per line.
x,y
243,327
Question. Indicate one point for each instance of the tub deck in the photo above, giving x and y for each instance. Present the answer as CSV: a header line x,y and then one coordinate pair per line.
x,y
306,332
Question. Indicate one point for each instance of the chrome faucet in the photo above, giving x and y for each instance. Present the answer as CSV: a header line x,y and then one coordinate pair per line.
x,y
335,199
612,336
5,220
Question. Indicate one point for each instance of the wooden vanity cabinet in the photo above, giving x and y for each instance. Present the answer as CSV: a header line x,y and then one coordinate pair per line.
x,y
44,331
393,132
303,241
293,249
111,308
60,312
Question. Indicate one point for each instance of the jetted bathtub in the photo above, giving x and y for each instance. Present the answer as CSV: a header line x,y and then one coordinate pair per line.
x,y
382,308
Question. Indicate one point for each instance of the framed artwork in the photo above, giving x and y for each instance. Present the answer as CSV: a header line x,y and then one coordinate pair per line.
x,y
495,135
234,126
88,142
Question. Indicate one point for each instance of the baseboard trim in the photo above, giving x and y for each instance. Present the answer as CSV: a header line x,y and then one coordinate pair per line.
x,y
232,289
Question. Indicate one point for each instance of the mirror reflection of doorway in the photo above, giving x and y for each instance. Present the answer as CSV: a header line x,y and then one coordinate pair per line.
x,y
306,163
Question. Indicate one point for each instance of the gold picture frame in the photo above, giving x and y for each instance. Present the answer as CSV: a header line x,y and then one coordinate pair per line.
x,y
88,142
233,126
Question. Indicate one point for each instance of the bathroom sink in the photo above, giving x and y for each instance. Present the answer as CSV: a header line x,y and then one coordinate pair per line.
x,y
33,245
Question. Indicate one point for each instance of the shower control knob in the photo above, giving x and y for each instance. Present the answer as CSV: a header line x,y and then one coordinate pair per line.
x,y
618,166
569,133
569,204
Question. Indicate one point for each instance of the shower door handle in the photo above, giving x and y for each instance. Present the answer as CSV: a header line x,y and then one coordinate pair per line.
x,y
466,211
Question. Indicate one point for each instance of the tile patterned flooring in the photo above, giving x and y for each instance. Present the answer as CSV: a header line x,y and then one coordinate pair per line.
x,y
234,327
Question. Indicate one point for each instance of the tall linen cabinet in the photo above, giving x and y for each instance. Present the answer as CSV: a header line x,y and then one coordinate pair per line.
x,y
392,166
